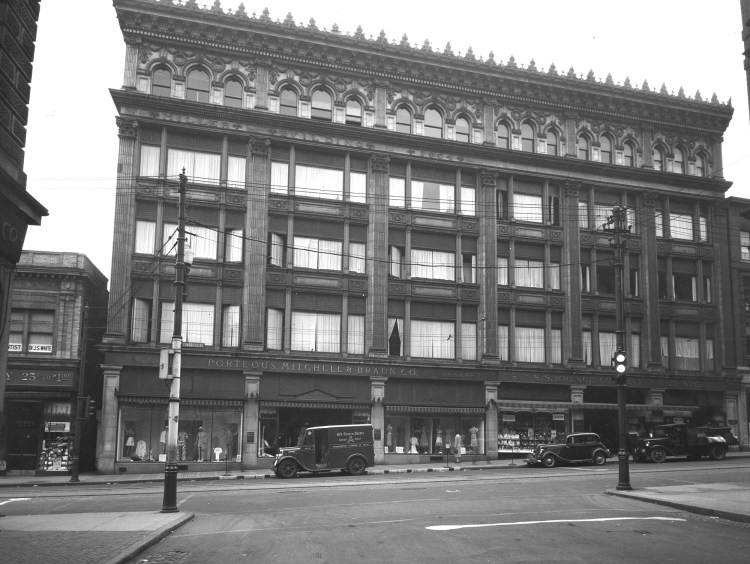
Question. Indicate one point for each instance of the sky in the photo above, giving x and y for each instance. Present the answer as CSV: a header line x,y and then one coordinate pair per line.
x,y
72,143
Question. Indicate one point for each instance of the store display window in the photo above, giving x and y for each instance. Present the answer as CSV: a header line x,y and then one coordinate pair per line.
x,y
204,434
57,437
522,430
433,434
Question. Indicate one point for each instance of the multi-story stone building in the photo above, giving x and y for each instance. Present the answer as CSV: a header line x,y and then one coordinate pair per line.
x,y
406,237
58,313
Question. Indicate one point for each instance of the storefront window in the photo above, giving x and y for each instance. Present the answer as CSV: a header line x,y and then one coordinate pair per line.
x,y
57,440
204,434
521,430
428,434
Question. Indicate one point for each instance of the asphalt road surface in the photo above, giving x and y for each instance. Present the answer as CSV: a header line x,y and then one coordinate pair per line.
x,y
517,515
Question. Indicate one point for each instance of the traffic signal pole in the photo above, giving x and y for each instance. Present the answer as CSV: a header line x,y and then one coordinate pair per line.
x,y
80,413
619,215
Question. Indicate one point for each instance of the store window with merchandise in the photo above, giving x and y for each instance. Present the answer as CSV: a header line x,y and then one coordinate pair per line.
x,y
57,438
433,434
520,431
204,434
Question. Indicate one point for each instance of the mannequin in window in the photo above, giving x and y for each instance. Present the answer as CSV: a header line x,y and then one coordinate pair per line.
x,y
182,438
389,437
439,440
129,439
474,443
414,440
458,444
423,443
200,442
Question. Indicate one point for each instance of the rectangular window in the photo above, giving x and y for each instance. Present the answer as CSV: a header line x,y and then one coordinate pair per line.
x,y
745,245
529,273
203,241
707,290
17,329
664,342
469,341
468,201
602,213
197,323
150,161
275,329
502,342
395,336
145,237
634,283
41,324
588,350
607,348
397,192
431,196
356,334
435,265
659,223
555,346
585,278
529,344
527,207
710,354
553,210
279,178
681,226
230,326
233,245
684,287
634,355
469,269
432,339
687,353
583,215
316,332
201,168
140,327
397,261
605,277
357,258
169,238
276,245
703,228
15,344
236,172
316,182
317,253
554,275
358,187
502,271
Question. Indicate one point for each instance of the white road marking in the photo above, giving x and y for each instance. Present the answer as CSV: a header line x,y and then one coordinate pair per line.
x,y
15,499
455,527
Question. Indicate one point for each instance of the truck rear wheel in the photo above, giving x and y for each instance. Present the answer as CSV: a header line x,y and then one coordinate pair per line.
x,y
356,466
658,455
717,452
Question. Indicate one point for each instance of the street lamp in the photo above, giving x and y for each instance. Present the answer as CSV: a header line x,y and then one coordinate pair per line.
x,y
182,264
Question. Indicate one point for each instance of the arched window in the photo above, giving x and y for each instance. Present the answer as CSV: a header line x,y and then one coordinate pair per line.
x,y
433,124
322,107
463,132
605,149
161,83
679,161
403,120
197,86
288,102
658,157
700,165
552,142
503,136
527,137
233,93
583,148
628,154
353,112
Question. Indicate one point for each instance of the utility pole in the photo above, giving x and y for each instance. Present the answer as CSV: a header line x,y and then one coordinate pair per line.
x,y
169,505
80,414
620,357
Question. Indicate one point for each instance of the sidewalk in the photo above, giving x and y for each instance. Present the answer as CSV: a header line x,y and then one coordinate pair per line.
x,y
116,537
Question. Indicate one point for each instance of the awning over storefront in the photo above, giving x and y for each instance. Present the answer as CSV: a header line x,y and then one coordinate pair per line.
x,y
552,406
184,401
434,409
313,405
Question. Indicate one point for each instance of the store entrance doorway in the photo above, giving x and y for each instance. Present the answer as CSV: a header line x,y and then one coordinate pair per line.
x,y
24,422
604,424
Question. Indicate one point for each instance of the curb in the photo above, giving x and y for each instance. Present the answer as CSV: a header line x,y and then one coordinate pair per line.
x,y
149,540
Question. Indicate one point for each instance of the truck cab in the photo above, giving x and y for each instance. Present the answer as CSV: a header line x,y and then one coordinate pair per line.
x,y
332,447
679,439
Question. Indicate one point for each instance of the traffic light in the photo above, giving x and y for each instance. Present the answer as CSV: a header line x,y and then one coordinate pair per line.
x,y
90,410
620,360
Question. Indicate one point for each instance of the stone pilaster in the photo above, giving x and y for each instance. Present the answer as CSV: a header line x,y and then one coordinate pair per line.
x,y
106,447
377,415
487,266
650,327
490,423
131,65
377,257
571,276
576,413
250,441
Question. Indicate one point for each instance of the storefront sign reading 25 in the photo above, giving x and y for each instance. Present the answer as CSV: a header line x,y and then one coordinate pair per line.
x,y
38,377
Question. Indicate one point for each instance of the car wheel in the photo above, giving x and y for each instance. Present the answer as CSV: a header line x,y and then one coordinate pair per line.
x,y
717,452
549,461
287,469
599,458
356,466
658,454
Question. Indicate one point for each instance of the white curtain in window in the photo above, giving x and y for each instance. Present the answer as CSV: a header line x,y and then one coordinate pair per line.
x,y
709,354
555,346
432,196
304,328
305,252
358,187
279,178
527,207
199,167
314,182
602,212
554,275
145,237
197,323
502,271
664,342
681,226
435,265
468,201
588,355
607,347
277,250
432,339
169,239
230,326
236,172
396,260
140,322
397,192
447,199
357,258
659,222
316,332
395,336
150,160
529,344
233,245
502,342
329,255
687,353
203,241
634,354
529,273
417,194
356,334
275,329
583,215
469,341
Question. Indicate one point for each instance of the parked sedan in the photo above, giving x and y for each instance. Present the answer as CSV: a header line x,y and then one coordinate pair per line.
x,y
573,448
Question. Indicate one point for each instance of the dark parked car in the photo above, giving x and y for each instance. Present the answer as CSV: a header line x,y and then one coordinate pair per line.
x,y
574,448
680,439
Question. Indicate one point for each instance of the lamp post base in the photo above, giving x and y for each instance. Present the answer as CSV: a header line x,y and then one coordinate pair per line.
x,y
169,505
624,478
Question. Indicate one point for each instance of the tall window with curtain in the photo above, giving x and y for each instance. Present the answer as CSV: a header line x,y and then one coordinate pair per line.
x,y
607,348
395,336
469,341
357,258
316,332
274,329
202,240
681,226
316,182
435,265
687,353
432,339
588,355
141,321
149,165
279,178
200,167
197,323
319,254
502,342
432,196
397,192
233,245
527,207
230,326
529,345
145,237
236,172
358,187
529,273
356,334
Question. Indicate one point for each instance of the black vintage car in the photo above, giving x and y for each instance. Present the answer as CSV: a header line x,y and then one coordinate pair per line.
x,y
574,448
680,439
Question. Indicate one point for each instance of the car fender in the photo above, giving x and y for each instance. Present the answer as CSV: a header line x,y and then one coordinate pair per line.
x,y
296,461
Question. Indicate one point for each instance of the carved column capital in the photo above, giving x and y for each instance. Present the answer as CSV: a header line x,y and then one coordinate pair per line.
x,y
380,163
126,127
259,145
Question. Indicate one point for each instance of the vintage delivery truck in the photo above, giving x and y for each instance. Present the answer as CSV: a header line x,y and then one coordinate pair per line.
x,y
332,447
